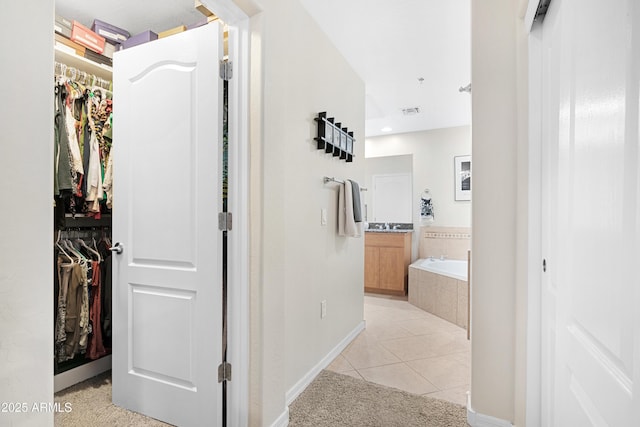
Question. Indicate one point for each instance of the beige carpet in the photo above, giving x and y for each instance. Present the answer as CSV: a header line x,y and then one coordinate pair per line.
x,y
332,400
336,400
91,406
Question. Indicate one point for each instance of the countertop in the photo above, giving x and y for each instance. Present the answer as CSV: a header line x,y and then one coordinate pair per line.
x,y
375,230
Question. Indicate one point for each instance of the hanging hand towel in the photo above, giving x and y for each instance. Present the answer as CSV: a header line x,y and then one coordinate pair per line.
x,y
351,228
341,214
357,207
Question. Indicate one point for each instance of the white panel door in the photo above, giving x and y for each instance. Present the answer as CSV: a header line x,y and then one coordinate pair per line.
x,y
392,198
167,291
591,214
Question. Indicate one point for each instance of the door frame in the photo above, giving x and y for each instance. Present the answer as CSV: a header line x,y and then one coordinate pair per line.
x,y
238,299
534,213
238,238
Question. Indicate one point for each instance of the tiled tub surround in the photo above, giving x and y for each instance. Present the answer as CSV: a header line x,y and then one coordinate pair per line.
x,y
450,242
446,296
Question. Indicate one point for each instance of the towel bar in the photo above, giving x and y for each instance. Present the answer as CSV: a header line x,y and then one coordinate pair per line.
x,y
326,179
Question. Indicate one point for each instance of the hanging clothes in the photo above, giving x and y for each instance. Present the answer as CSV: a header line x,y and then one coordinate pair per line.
x,y
64,276
74,148
73,312
94,177
63,164
96,345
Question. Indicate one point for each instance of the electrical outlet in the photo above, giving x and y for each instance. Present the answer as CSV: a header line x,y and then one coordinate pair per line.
x,y
323,308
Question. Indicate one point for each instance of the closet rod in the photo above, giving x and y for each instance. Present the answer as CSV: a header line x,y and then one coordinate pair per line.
x,y
327,179
82,76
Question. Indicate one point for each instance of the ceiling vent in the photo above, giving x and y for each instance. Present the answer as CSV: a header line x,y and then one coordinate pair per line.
x,y
412,111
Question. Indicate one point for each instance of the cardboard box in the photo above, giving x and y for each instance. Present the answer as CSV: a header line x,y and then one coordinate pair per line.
x,y
202,8
141,38
79,49
63,26
172,31
87,38
110,49
97,58
202,22
109,32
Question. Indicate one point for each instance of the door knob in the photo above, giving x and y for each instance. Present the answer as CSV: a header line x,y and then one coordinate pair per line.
x,y
117,248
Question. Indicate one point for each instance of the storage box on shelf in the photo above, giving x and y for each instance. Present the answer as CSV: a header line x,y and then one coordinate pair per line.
x,y
63,26
138,39
111,33
87,38
65,44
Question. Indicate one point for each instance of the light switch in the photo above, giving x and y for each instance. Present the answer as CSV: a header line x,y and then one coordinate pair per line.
x,y
323,216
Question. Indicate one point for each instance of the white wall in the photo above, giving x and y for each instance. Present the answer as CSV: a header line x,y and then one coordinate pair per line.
x,y
498,300
26,229
433,152
301,261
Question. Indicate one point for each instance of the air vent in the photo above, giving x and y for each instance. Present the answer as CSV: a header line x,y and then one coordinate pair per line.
x,y
412,111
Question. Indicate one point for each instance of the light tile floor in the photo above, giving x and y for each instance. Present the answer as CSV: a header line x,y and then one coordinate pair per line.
x,y
407,348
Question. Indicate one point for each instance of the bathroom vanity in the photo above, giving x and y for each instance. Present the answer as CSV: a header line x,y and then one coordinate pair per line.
x,y
387,255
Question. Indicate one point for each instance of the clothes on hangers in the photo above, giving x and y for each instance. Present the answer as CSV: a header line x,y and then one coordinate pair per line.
x,y
79,308
96,345
82,148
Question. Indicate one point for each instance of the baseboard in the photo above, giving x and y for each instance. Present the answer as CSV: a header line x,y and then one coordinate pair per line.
x,y
81,373
326,361
283,419
480,420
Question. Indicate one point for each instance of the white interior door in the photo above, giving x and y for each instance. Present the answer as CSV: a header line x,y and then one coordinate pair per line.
x,y
167,290
591,214
392,198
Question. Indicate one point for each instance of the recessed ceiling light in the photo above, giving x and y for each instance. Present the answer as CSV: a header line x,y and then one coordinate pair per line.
x,y
386,129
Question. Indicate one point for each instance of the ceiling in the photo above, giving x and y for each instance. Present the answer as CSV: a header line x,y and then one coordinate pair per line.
x,y
134,16
391,44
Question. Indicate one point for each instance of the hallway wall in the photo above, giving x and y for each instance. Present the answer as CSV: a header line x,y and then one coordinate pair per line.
x,y
302,262
499,217
26,234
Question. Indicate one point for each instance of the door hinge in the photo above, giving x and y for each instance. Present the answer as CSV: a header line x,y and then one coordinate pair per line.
x,y
224,372
226,70
225,221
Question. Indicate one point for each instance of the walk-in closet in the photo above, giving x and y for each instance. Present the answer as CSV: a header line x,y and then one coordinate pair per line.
x,y
83,201
140,199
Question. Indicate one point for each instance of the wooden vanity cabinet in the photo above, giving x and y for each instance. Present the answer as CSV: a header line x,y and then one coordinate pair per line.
x,y
386,262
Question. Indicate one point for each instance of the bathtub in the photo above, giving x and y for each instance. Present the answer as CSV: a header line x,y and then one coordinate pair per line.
x,y
441,288
453,268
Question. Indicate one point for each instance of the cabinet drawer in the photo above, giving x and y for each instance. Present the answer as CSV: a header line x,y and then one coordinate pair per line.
x,y
394,240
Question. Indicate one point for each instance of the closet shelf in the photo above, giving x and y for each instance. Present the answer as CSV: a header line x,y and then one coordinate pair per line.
x,y
72,60
80,221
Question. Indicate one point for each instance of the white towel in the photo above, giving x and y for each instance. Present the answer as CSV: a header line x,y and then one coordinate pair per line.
x,y
346,223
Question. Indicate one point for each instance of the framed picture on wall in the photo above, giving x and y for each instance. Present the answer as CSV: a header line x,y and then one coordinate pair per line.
x,y
462,168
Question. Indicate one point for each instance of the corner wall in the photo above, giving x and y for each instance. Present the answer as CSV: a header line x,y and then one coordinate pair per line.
x,y
494,218
26,229
300,263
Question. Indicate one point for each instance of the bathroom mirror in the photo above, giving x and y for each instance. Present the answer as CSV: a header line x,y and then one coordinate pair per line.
x,y
389,180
